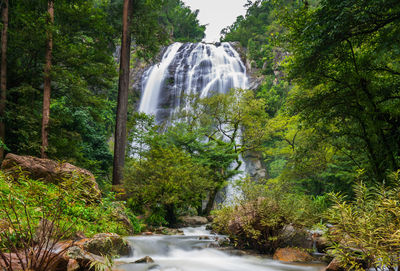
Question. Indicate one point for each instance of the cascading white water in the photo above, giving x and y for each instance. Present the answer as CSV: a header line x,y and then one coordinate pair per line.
x,y
190,68
194,252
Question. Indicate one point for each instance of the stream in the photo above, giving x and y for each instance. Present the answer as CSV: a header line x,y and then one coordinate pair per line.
x,y
194,251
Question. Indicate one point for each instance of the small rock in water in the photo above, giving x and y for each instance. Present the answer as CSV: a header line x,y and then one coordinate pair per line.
x,y
146,259
147,233
204,238
155,267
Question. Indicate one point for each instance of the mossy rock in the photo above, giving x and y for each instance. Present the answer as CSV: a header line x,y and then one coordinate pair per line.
x,y
109,244
49,171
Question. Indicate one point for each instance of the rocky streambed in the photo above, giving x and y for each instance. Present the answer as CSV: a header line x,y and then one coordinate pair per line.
x,y
196,250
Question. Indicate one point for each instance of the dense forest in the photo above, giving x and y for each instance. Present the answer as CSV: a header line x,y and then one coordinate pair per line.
x,y
323,121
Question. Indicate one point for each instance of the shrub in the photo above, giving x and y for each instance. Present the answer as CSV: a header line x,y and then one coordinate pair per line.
x,y
87,217
29,234
260,218
165,181
365,232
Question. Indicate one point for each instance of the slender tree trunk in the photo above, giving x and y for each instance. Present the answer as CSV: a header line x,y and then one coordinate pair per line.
x,y
3,76
210,202
47,80
123,87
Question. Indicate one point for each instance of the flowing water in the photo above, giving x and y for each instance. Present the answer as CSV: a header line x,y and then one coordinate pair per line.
x,y
190,68
194,252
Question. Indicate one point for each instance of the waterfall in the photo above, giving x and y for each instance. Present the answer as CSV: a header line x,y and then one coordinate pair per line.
x,y
190,68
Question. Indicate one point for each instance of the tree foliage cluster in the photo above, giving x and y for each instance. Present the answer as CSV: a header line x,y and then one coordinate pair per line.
x,y
193,158
84,73
332,99
333,95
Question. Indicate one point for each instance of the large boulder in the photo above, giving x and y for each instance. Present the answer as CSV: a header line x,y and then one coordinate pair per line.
x,y
81,259
292,255
292,236
51,171
107,244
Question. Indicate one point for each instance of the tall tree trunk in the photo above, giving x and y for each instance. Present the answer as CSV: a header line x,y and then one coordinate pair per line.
x,y
47,80
3,76
123,87
210,202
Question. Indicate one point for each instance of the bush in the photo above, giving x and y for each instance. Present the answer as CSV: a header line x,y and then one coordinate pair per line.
x,y
260,219
164,182
87,217
29,236
365,232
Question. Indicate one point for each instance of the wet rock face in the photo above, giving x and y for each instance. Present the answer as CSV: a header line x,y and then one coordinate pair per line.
x,y
254,165
50,171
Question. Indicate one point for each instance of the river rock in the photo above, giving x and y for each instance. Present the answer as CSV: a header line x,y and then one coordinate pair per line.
x,y
107,244
51,171
82,257
292,255
146,259
295,237
168,231
193,220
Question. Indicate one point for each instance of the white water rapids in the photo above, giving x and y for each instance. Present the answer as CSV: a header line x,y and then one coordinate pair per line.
x,y
194,252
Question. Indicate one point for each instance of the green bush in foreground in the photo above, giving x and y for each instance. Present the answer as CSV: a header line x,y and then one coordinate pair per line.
x,y
38,198
259,219
365,232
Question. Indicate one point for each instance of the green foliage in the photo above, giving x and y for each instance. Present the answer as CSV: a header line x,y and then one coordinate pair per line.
x,y
257,32
83,82
84,72
258,219
165,180
182,22
85,216
345,62
365,231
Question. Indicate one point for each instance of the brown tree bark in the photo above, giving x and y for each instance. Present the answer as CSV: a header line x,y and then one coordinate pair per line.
x,y
3,75
210,202
47,80
123,87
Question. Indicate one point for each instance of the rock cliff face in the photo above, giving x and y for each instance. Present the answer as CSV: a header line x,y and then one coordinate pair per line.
x,y
253,74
